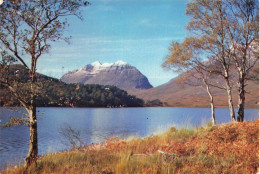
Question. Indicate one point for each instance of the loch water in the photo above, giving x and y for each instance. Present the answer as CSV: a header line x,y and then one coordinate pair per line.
x,y
96,124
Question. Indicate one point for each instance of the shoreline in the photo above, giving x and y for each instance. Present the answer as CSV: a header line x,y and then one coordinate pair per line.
x,y
130,107
200,150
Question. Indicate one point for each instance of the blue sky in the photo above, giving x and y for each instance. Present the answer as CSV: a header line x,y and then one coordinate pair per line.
x,y
136,31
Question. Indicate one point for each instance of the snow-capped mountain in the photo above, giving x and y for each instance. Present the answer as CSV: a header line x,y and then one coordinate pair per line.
x,y
119,74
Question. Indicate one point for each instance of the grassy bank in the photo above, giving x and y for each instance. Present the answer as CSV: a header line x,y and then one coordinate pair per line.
x,y
228,148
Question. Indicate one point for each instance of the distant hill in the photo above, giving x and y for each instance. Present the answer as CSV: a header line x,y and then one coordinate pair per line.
x,y
53,92
119,74
183,95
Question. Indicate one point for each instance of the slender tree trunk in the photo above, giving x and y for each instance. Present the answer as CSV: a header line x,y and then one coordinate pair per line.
x,y
213,113
225,64
241,99
213,119
230,102
31,158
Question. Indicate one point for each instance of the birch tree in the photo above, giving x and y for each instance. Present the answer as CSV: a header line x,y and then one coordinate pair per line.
x,y
26,32
243,31
184,58
220,26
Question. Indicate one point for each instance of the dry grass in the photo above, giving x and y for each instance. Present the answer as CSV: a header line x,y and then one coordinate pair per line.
x,y
228,148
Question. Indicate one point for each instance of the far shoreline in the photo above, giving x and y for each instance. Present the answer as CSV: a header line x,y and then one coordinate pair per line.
x,y
257,107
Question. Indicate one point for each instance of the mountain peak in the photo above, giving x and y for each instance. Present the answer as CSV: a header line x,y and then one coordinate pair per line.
x,y
96,64
119,73
120,63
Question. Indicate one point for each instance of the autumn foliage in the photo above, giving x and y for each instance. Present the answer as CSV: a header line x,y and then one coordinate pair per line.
x,y
227,148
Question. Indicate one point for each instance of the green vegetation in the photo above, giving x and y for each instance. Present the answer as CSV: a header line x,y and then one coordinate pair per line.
x,y
209,149
155,103
78,95
151,103
56,93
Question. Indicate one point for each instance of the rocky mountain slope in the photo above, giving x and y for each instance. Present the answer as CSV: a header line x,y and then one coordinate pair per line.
x,y
119,74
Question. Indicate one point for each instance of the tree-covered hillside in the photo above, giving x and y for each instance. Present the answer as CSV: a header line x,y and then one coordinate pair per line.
x,y
52,92
60,94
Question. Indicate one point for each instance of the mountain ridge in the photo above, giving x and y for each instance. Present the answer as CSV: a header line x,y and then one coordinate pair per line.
x,y
172,93
120,74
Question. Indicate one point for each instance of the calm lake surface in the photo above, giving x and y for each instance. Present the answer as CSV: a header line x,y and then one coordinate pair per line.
x,y
95,124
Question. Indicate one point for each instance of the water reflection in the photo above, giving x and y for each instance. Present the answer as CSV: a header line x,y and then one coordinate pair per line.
x,y
95,124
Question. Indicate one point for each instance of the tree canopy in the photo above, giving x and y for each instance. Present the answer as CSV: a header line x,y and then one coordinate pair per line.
x,y
27,30
225,33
